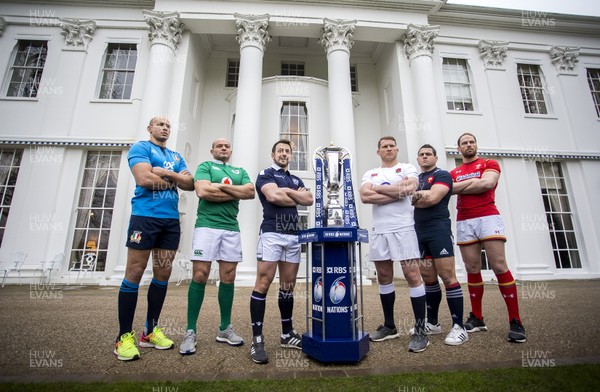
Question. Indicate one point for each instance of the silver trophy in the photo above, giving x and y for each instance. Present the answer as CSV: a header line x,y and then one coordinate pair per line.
x,y
332,158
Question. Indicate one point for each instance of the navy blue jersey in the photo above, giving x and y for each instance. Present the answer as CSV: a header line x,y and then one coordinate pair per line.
x,y
437,216
278,219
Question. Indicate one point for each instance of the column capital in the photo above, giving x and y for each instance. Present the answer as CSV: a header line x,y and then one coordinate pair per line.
x,y
165,28
336,34
418,40
78,33
2,25
252,30
493,54
564,58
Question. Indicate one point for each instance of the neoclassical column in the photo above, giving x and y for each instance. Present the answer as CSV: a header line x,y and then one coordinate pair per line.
x,y
164,34
253,36
78,33
336,38
425,121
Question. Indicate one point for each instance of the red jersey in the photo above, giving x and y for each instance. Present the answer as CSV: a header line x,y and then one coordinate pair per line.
x,y
482,204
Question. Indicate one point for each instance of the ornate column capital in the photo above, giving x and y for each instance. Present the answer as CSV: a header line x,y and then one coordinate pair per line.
x,y
337,34
252,30
418,40
165,28
493,53
564,58
78,33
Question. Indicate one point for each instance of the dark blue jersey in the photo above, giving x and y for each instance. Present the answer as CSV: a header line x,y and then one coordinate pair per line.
x,y
436,217
277,219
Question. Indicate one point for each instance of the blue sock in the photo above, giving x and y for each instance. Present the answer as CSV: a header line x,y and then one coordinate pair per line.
x,y
127,301
156,298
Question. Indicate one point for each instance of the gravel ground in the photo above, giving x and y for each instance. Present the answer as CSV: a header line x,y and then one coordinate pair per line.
x,y
52,333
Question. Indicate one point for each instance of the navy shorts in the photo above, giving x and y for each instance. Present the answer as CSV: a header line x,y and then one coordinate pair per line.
x,y
148,233
436,244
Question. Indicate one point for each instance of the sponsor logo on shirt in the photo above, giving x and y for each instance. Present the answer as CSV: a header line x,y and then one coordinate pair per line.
x,y
226,180
468,176
168,165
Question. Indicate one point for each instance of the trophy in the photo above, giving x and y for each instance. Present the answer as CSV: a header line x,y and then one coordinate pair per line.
x,y
330,163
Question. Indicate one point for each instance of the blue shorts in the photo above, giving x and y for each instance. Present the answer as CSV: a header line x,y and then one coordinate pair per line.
x,y
436,244
148,233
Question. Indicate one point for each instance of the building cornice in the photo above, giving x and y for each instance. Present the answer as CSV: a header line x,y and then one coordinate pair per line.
x,y
141,4
65,141
488,17
546,155
396,5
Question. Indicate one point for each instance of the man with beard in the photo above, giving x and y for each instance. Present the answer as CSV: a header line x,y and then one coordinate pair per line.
x,y
478,225
278,248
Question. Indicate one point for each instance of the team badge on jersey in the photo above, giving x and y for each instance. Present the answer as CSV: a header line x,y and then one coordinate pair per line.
x,y
227,180
430,179
295,181
235,171
136,237
399,170
176,157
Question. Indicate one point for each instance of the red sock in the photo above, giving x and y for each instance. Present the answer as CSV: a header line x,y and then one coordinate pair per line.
x,y
508,288
475,293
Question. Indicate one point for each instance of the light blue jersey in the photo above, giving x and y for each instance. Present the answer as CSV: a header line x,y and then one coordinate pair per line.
x,y
155,203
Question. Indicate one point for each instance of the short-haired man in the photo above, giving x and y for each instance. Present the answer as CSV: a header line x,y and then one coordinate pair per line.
x,y
220,187
393,237
280,193
153,228
478,225
432,223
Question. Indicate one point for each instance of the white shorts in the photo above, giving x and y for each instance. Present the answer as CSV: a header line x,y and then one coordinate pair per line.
x,y
394,246
216,244
278,247
471,231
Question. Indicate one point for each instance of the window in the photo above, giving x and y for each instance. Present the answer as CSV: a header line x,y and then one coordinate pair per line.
x,y
294,127
95,207
558,215
10,161
27,68
593,77
233,73
292,69
353,79
532,89
118,71
457,84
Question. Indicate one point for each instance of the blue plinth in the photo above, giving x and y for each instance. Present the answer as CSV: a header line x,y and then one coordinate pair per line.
x,y
334,335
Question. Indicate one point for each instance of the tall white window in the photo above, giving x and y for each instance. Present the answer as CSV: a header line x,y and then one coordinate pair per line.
x,y
457,83
558,214
118,71
95,207
593,77
233,73
353,78
532,89
27,68
10,161
294,127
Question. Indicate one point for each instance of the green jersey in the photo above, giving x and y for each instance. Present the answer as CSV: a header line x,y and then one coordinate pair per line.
x,y
222,215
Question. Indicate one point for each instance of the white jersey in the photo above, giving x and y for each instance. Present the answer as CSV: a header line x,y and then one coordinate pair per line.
x,y
398,215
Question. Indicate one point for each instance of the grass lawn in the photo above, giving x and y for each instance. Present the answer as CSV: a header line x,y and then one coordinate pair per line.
x,y
560,378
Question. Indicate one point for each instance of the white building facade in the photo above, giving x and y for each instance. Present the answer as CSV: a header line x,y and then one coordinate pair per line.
x,y
80,81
